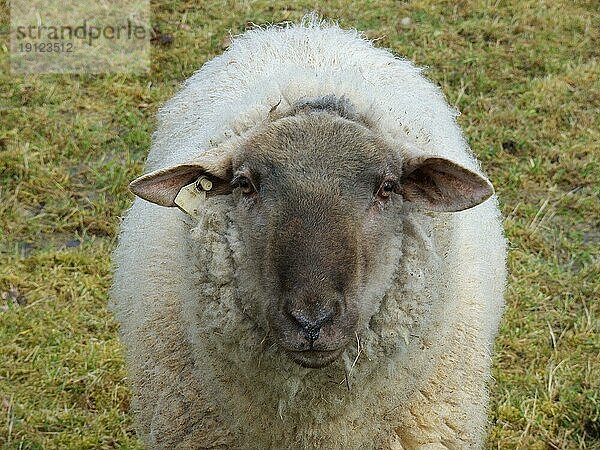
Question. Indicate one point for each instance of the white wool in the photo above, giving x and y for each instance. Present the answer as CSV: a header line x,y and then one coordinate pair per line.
x,y
203,372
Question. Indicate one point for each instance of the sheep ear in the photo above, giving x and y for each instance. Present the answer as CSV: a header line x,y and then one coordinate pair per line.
x,y
163,185
437,184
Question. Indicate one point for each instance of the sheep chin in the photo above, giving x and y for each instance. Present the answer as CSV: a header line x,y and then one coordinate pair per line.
x,y
314,359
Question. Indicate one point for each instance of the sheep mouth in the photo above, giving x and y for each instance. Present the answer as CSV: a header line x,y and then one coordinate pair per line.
x,y
314,359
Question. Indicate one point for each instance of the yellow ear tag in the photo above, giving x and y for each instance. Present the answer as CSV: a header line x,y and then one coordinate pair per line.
x,y
191,196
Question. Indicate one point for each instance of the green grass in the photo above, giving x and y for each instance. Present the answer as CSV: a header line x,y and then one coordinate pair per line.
x,y
525,75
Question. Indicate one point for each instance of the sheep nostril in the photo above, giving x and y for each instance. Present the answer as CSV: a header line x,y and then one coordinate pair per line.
x,y
311,327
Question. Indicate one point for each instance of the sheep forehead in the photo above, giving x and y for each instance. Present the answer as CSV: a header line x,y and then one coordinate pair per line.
x,y
317,144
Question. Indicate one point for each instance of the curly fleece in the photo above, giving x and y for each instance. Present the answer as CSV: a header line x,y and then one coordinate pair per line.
x,y
202,367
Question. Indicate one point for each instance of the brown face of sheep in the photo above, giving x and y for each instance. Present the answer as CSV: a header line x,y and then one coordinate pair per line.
x,y
314,191
317,199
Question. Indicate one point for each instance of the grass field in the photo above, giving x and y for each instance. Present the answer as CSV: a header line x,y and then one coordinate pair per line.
x,y
525,75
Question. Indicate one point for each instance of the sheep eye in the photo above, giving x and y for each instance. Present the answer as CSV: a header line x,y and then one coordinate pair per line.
x,y
244,184
386,189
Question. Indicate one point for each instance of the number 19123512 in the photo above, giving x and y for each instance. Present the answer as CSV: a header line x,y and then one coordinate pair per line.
x,y
45,47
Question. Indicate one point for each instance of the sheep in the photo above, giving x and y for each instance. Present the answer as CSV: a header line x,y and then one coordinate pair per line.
x,y
314,259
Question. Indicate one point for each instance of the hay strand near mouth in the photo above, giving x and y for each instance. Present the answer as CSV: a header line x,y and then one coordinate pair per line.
x,y
348,372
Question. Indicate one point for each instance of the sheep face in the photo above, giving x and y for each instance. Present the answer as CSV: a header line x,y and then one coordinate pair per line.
x,y
318,199
314,210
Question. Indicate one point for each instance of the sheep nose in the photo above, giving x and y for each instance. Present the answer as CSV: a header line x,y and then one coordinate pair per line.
x,y
311,327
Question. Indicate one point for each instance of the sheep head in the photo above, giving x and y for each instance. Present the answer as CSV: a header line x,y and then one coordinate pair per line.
x,y
317,195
